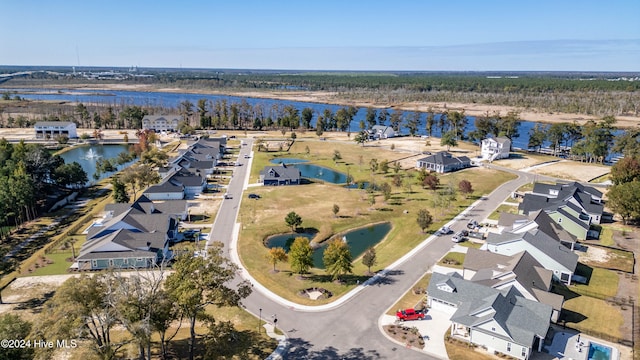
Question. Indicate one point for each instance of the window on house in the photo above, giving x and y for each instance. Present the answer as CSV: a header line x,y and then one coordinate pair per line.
x,y
493,329
559,220
524,352
509,346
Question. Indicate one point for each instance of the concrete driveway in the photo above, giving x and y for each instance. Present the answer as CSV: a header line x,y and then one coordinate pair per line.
x,y
432,329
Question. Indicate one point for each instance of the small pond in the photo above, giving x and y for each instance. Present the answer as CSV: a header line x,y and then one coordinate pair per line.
x,y
359,240
287,161
311,171
285,240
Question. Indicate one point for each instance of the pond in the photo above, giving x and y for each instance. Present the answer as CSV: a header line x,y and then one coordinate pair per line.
x,y
87,156
358,240
311,171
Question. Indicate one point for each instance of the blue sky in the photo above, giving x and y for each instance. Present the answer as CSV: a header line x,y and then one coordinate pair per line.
x,y
542,35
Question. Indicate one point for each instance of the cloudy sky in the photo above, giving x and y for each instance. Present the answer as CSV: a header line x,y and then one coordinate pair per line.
x,y
541,35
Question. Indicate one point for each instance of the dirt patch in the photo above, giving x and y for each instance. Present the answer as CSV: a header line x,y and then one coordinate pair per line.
x,y
572,170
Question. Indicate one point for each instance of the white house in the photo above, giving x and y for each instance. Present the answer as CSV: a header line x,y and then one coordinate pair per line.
x,y
550,253
161,122
51,129
382,132
495,148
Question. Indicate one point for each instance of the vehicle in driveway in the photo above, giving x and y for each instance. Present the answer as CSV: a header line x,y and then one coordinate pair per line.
x,y
190,233
460,236
410,314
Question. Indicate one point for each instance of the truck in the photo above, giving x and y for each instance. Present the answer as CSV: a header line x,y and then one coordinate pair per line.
x,y
410,314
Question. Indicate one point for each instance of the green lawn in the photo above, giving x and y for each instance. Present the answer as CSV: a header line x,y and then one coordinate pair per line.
x,y
314,204
59,266
603,284
503,208
410,299
593,316
606,236
453,260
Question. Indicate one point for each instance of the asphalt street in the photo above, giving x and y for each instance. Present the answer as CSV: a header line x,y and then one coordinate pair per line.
x,y
350,330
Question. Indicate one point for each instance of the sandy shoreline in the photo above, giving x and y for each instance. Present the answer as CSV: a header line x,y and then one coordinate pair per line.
x,y
326,97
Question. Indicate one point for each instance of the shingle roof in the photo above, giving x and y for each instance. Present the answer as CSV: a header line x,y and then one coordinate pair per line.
x,y
280,172
54,123
444,158
522,319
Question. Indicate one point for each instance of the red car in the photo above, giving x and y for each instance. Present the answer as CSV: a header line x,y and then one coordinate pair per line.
x,y
410,314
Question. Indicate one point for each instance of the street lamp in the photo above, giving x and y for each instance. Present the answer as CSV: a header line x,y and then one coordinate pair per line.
x,y
260,321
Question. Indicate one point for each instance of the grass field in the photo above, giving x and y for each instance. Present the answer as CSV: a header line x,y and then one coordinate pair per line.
x,y
453,260
511,209
410,299
314,204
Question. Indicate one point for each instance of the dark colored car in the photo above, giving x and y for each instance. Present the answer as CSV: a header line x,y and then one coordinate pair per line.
x,y
254,196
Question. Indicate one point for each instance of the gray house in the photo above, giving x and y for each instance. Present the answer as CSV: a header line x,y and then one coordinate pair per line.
x,y
280,175
443,162
521,271
501,321
382,132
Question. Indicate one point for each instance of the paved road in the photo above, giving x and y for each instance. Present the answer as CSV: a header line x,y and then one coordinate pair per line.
x,y
349,330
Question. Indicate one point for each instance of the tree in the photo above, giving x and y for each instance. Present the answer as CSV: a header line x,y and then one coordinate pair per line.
x,y
369,259
628,143
154,157
370,117
386,191
448,139
361,138
412,122
14,327
70,175
320,126
508,126
373,165
626,170
537,136
307,115
396,119
624,200
431,181
384,166
138,176
80,309
300,255
396,167
198,282
336,210
424,219
465,187
336,156
293,220
430,121
119,191
382,116
337,259
557,135
397,180
276,255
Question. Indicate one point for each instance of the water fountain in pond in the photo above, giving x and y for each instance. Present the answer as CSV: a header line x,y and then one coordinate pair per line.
x,y
91,155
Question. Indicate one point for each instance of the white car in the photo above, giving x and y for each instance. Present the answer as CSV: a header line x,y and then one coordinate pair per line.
x,y
445,230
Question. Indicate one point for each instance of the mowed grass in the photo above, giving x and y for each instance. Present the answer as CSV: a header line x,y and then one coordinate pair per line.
x,y
603,284
314,203
410,299
593,316
503,208
453,260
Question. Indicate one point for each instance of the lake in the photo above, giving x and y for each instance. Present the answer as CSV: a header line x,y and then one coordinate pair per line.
x,y
311,171
162,99
87,155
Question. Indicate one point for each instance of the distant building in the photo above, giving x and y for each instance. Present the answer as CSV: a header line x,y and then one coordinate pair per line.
x,y
494,149
382,132
280,175
159,123
52,129
443,162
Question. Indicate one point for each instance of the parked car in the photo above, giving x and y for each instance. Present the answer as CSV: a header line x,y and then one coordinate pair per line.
x,y
190,233
246,156
410,314
459,237
228,196
254,196
445,230
472,224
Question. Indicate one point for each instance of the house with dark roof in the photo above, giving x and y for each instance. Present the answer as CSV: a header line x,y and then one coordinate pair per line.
x,y
159,123
131,235
547,251
442,162
539,219
573,206
280,175
521,271
52,129
495,148
499,320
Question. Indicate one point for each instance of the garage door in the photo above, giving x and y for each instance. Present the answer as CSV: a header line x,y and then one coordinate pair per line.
x,y
438,306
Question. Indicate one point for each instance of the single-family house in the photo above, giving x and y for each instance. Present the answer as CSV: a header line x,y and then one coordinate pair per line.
x,y
165,190
124,248
443,162
53,129
547,251
495,148
586,197
539,219
280,175
499,320
378,132
160,123
521,270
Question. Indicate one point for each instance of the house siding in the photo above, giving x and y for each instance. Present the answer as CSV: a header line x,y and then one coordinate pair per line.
x,y
570,226
498,344
165,196
548,263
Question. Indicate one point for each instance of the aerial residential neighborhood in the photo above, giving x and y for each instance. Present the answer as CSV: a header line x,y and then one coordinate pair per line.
x,y
320,180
